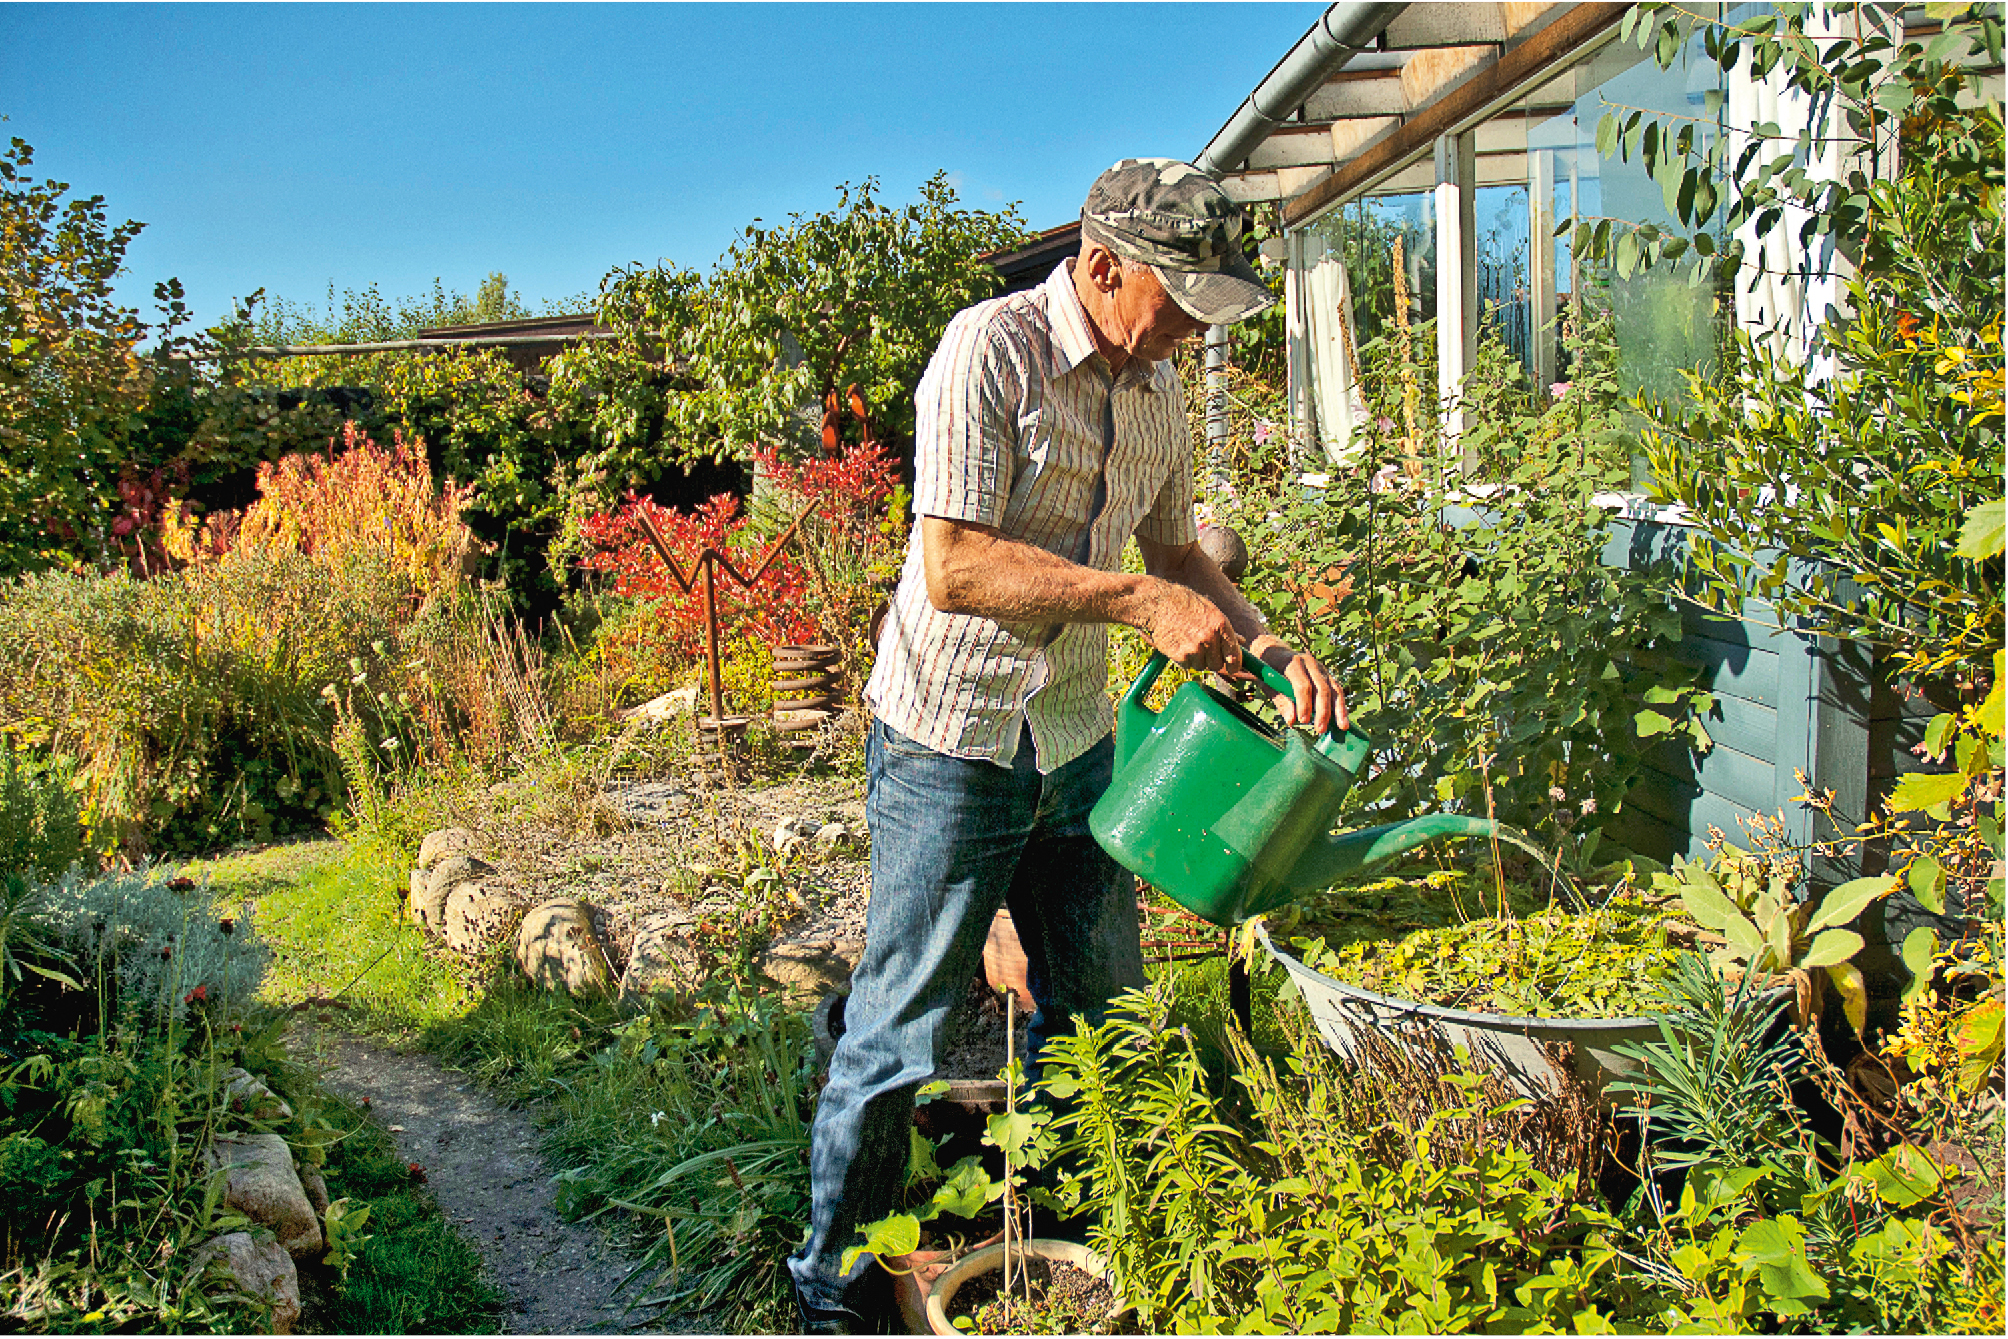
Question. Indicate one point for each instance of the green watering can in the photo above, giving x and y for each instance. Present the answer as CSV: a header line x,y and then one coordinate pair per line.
x,y
1232,817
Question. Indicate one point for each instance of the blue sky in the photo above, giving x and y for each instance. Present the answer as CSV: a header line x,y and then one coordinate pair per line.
x,y
287,146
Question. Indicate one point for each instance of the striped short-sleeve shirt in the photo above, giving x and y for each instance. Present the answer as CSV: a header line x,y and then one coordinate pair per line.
x,y
1020,426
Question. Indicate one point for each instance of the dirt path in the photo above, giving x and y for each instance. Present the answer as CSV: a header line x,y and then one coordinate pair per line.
x,y
482,1164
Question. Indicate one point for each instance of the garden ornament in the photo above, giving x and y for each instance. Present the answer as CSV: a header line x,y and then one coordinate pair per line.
x,y
706,567
1232,817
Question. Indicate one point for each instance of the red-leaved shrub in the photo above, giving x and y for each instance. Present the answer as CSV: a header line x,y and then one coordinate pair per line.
x,y
674,624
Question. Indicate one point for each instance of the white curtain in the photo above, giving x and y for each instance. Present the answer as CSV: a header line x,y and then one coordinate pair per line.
x,y
1788,300
1324,378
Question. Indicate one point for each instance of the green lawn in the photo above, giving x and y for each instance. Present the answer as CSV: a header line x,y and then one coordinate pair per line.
x,y
333,913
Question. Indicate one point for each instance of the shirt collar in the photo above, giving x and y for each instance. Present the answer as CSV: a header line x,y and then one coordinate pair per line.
x,y
1070,323
1071,334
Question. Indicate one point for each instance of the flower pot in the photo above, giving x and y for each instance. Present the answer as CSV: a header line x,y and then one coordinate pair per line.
x,y
914,1276
941,1295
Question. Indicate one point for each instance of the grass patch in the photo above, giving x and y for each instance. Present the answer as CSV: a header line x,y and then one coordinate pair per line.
x,y
415,1275
333,913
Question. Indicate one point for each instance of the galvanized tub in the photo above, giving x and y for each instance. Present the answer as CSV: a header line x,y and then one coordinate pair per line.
x,y
1518,1047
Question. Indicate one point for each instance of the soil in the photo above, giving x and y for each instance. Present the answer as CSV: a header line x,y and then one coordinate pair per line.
x,y
1064,1300
481,1163
666,838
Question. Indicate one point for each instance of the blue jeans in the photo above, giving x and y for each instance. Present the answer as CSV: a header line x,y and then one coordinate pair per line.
x,y
952,840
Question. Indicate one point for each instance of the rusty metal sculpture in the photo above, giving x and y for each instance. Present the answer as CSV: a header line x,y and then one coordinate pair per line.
x,y
706,568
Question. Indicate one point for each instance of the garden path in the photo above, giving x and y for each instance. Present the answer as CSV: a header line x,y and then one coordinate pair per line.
x,y
482,1164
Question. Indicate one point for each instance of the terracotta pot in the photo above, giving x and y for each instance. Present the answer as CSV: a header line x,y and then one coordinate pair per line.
x,y
914,1276
941,1294
1004,961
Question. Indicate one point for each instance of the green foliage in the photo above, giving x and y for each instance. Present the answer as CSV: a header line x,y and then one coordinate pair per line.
x,y
41,827
151,942
366,316
1498,662
1843,486
1312,1204
1716,1086
332,916
1604,963
1752,901
686,1126
70,374
410,1272
856,296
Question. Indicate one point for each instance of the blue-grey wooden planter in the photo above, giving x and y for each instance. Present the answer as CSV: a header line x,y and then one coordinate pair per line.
x,y
1786,703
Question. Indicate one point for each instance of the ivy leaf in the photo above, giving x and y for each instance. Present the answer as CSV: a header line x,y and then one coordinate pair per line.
x,y
1651,723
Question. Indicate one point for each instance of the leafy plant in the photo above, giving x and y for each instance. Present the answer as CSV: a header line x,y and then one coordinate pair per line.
x,y
70,370
854,297
1752,901
1603,963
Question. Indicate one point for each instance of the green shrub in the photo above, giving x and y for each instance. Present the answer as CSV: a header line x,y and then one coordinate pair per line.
x,y
41,827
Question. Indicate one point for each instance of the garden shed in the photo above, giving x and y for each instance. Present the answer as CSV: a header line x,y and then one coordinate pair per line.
x,y
1469,131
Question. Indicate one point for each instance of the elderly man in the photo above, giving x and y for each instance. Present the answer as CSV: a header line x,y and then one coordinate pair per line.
x,y
1051,429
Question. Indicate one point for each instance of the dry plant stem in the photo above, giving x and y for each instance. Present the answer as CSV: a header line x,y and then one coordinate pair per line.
x,y
1010,1181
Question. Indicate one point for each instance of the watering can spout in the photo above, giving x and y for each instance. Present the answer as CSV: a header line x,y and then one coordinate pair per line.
x,y
1347,853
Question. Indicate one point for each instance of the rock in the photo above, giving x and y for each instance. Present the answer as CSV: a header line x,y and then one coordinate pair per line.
x,y
662,958
317,1190
258,1268
415,892
443,843
807,971
264,1187
245,1092
556,946
678,702
477,912
792,832
429,907
834,836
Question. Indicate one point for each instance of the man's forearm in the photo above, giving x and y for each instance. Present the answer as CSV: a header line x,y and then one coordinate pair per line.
x,y
973,569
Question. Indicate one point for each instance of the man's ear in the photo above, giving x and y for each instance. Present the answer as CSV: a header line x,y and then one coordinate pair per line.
x,y
1105,271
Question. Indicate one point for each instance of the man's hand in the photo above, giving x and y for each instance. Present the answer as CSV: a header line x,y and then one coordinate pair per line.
x,y
1327,700
1191,630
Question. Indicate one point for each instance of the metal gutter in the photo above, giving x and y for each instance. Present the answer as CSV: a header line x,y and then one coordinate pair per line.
x,y
1345,30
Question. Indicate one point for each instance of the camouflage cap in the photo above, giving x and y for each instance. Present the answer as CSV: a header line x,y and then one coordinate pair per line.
x,y
1175,218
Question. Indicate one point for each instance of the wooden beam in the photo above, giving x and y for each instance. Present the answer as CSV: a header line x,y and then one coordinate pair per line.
x,y
1550,47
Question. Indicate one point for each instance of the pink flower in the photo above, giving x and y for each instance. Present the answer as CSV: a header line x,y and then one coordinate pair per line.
x,y
1263,428
1558,389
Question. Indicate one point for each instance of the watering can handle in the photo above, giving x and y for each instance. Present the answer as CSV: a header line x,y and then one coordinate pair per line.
x,y
1347,748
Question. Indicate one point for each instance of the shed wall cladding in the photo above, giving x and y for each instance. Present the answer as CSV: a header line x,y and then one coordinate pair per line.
x,y
1785,702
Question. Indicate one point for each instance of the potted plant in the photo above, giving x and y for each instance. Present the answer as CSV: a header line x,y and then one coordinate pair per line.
x,y
1015,1283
